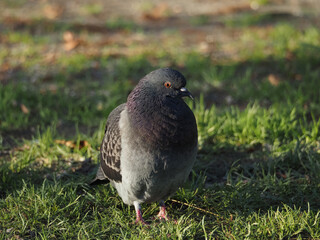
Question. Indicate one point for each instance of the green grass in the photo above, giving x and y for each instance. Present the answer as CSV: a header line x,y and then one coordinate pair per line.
x,y
247,19
93,9
258,167
119,23
200,20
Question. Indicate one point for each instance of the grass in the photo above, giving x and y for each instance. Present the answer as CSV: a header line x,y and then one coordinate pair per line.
x,y
121,24
93,9
248,19
199,20
258,167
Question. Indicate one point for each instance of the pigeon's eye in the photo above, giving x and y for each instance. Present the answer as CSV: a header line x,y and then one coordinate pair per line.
x,y
167,84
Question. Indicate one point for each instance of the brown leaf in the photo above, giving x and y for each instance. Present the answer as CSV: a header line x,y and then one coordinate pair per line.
x,y
17,237
84,143
70,41
69,144
204,47
50,57
159,12
274,79
70,45
53,11
290,56
68,36
73,144
298,77
22,148
5,67
282,175
24,109
229,9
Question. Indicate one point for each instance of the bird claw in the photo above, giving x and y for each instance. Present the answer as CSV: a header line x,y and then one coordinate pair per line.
x,y
164,219
162,215
142,222
139,219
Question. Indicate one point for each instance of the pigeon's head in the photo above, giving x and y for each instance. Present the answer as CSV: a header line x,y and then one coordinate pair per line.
x,y
166,82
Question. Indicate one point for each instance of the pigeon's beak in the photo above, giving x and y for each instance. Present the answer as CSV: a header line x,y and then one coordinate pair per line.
x,y
183,92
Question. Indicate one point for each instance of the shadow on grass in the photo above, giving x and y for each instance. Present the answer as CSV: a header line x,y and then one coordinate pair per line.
x,y
246,181
61,171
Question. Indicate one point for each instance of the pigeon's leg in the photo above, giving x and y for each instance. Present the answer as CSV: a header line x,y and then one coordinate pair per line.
x,y
162,215
139,218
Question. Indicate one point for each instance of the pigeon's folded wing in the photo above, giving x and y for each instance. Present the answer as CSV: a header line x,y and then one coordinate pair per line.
x,y
110,150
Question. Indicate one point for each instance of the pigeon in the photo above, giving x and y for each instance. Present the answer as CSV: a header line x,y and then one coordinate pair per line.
x,y
150,142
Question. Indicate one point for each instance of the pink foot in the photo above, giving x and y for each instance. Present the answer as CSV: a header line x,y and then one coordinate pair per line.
x,y
139,218
162,215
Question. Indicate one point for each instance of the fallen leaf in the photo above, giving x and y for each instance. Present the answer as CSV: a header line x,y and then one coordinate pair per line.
x,y
298,77
24,109
204,47
159,12
70,41
53,11
234,8
73,144
274,79
70,45
50,57
290,56
69,144
68,36
17,237
83,144
283,175
5,67
49,88
22,148
44,160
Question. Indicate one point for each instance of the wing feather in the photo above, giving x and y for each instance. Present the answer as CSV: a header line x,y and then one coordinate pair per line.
x,y
110,150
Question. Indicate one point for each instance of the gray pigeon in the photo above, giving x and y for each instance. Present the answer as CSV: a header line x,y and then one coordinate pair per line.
x,y
150,142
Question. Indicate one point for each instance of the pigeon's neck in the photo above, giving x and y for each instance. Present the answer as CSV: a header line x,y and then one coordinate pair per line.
x,y
144,110
162,122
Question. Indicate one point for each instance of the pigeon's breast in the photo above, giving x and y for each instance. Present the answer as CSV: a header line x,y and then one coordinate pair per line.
x,y
149,171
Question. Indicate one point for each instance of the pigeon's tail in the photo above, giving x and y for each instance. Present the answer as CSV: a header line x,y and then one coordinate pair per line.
x,y
98,181
100,178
